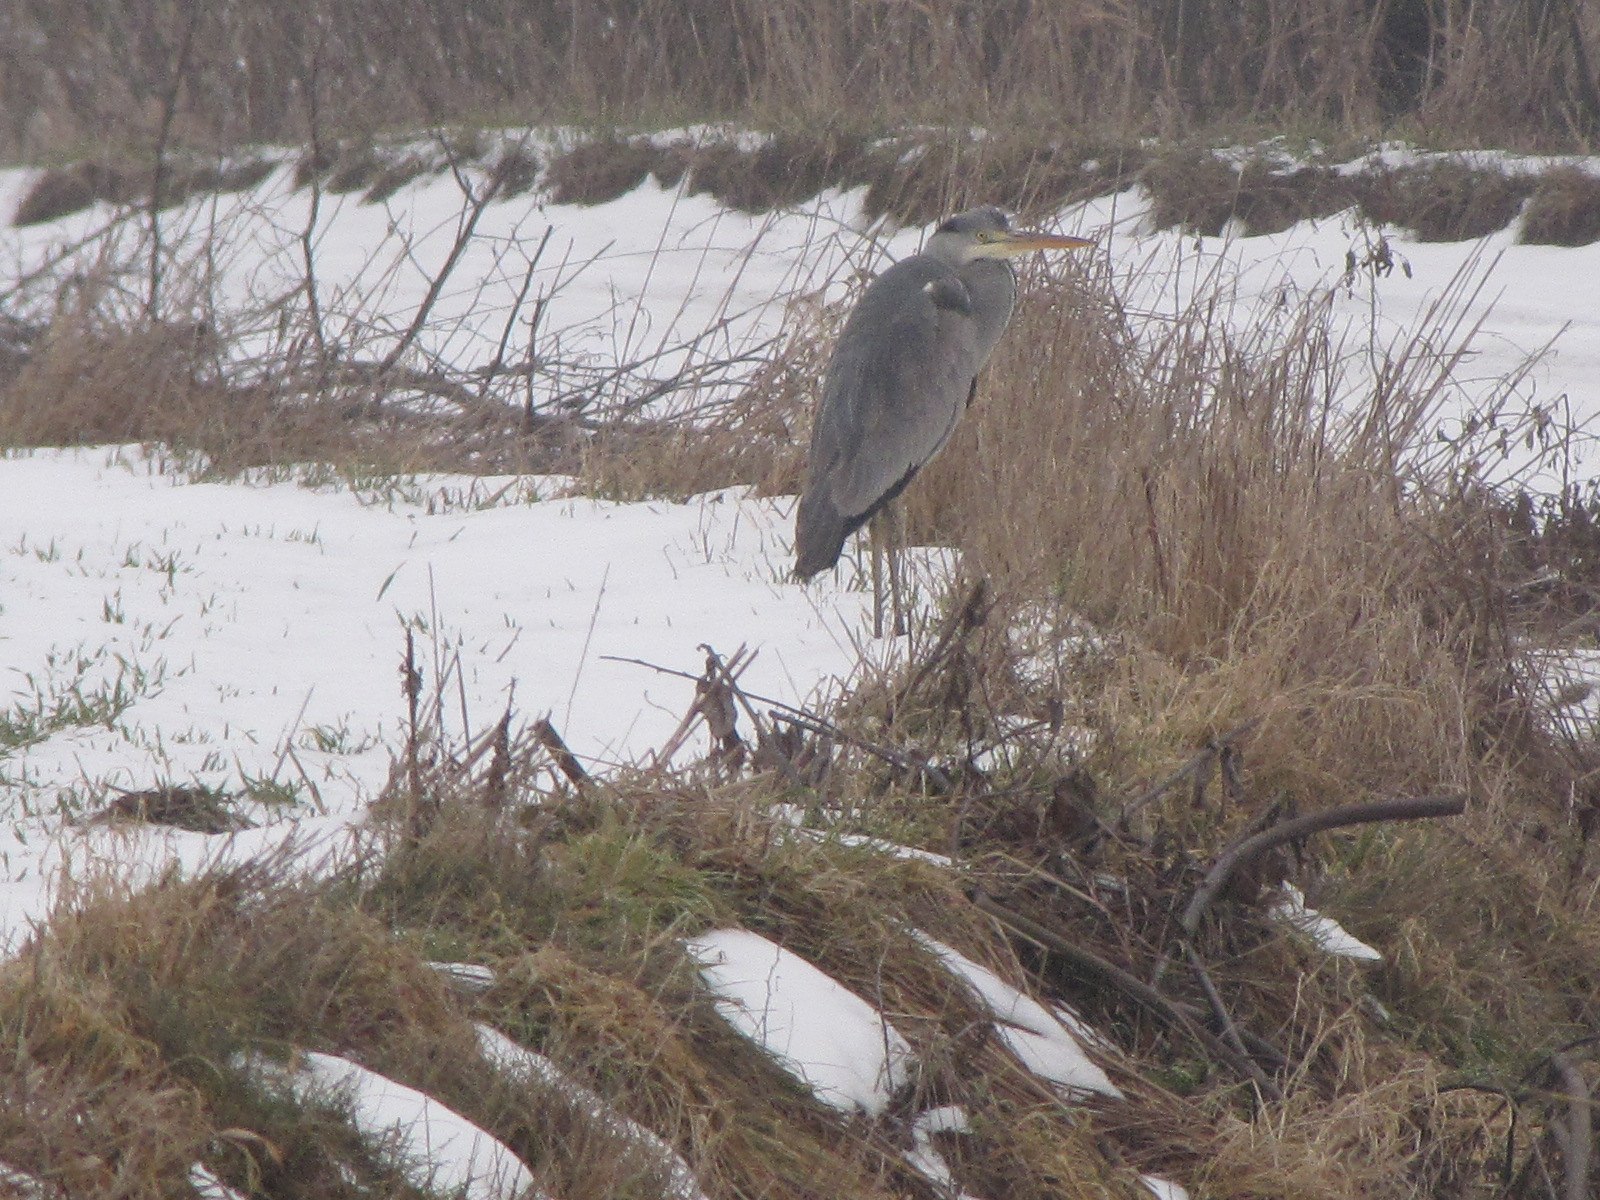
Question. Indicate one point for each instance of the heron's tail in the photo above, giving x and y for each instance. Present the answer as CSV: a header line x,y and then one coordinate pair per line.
x,y
819,533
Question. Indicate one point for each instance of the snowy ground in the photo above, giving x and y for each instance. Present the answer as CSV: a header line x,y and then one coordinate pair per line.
x,y
159,631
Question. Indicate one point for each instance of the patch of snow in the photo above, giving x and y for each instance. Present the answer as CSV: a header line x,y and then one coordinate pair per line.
x,y
520,1063
841,1047
21,1184
1328,935
439,1149
470,979
239,633
208,1187
795,816
1033,1033
881,846
924,1156
1164,1189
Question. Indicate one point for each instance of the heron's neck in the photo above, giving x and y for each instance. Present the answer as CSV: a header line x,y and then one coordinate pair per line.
x,y
992,285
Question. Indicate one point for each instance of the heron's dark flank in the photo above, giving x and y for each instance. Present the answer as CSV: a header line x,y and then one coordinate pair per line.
x,y
902,373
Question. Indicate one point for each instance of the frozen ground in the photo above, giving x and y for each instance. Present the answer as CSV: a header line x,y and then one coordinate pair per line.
x,y
159,632
155,630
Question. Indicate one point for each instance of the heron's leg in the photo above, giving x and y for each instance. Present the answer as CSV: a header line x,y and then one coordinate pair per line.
x,y
895,529
875,542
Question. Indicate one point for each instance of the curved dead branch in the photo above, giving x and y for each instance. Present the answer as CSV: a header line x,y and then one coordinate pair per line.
x,y
1241,853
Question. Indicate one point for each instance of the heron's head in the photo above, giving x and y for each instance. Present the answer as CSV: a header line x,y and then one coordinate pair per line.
x,y
987,233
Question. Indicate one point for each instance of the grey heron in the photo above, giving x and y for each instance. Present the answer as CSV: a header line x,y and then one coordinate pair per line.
x,y
903,371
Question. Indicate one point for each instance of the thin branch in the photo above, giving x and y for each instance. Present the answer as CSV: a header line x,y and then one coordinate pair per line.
x,y
476,203
1230,1031
811,723
963,619
498,363
1576,1136
158,169
563,756
1243,852
1200,762
1130,985
314,211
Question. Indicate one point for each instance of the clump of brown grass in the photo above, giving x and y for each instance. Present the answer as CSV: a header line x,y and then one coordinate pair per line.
x,y
1445,201
1195,189
65,190
784,170
1276,540
515,171
1564,209
125,1020
918,178
593,172
393,176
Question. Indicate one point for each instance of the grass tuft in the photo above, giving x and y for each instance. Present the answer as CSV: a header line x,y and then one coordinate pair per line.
x,y
1446,201
1564,209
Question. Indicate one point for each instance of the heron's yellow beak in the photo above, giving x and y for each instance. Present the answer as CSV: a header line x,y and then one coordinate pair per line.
x,y
1009,245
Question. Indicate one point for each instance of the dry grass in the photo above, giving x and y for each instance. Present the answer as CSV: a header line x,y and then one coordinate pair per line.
x,y
1194,189
1564,209
222,75
64,190
131,1009
1446,201
593,172
1267,549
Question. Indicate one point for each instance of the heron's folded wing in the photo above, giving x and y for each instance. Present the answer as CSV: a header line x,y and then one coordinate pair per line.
x,y
898,383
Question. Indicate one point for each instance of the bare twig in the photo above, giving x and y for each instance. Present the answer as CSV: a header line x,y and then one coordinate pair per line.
x,y
812,723
466,225
313,82
1576,1136
496,787
1288,831
497,364
1213,997
962,620
1199,764
158,169
1131,986
764,735
411,688
564,758
696,713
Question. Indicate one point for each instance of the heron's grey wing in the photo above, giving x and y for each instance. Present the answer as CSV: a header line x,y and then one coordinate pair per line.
x,y
899,380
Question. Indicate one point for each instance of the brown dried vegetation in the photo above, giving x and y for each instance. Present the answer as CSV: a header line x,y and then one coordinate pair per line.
x,y
1564,209
1445,201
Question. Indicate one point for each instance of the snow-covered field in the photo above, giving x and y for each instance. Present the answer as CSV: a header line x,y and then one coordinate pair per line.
x,y
158,631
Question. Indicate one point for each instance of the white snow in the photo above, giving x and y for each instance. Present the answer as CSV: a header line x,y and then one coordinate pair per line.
x,y
248,633
1327,934
437,1147
1164,1189
924,1156
208,1187
843,1048
470,979
794,816
21,1184
520,1063
1032,1032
